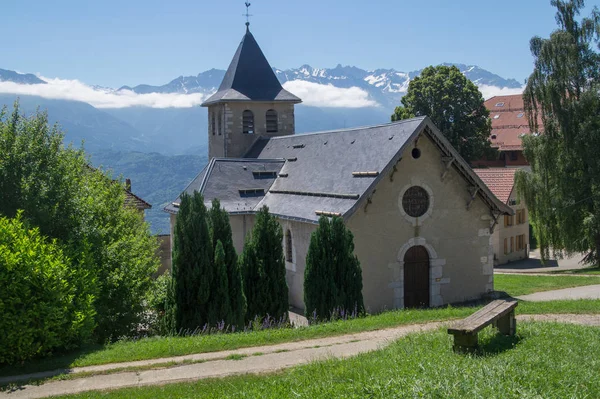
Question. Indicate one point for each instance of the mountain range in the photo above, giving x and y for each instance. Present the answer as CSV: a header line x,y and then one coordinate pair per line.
x,y
132,129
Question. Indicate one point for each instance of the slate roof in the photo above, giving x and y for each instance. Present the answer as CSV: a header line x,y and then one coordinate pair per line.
x,y
240,184
250,77
499,180
318,172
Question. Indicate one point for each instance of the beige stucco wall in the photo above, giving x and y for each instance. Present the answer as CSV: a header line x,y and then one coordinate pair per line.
x,y
242,225
457,239
501,232
230,141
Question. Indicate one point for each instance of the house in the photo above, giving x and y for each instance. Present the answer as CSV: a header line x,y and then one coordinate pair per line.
x,y
133,200
509,125
422,219
511,237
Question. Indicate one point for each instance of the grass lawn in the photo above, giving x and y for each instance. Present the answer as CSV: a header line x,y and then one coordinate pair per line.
x,y
544,360
517,284
587,270
160,347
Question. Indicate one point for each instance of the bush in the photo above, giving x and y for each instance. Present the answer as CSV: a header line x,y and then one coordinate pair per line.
x,y
40,305
84,210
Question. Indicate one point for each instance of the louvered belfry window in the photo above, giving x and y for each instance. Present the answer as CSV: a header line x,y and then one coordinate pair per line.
x,y
288,246
248,122
220,129
213,125
272,125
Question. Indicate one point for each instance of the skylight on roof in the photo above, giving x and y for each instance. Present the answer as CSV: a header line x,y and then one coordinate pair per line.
x,y
500,104
520,115
496,116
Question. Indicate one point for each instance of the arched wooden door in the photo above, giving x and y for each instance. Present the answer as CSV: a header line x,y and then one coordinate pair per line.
x,y
416,278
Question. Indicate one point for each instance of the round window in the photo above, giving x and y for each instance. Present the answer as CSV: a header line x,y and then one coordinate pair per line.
x,y
415,201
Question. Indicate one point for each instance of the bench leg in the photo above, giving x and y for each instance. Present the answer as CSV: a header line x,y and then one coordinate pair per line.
x,y
465,343
507,325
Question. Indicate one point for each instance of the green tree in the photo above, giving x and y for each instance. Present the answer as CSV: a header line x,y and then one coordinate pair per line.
x,y
193,261
263,268
221,231
41,306
563,189
219,306
85,211
454,105
333,277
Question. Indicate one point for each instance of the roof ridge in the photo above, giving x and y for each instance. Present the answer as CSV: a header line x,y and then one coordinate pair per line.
x,y
352,129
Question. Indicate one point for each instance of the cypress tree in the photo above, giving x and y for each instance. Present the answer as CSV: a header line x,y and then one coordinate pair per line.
x,y
192,266
264,272
219,309
333,277
221,231
319,283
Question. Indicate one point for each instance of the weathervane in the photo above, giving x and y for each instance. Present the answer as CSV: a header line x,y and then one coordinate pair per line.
x,y
248,15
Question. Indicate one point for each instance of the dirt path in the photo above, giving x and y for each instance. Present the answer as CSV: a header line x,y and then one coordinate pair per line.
x,y
253,360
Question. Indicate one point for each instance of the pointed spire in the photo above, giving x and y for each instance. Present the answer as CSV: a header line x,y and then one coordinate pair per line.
x,y
250,77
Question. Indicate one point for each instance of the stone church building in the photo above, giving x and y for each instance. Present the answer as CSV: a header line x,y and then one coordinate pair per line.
x,y
422,219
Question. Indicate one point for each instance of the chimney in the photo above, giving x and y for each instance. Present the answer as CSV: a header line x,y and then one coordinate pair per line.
x,y
128,184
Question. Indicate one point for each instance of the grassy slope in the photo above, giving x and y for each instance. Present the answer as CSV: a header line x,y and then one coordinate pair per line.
x,y
541,361
517,284
157,347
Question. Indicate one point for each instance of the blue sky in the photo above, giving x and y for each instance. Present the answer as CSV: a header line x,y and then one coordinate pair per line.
x,y
128,42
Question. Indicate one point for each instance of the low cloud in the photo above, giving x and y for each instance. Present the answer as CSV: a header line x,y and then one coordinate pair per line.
x,y
61,89
329,96
491,91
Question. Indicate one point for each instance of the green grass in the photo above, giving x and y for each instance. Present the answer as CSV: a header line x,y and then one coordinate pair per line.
x,y
161,347
587,270
544,360
517,284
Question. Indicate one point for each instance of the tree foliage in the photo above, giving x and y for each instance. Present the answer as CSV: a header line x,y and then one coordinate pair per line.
x,y
41,306
221,232
454,105
263,269
562,99
333,277
84,210
193,259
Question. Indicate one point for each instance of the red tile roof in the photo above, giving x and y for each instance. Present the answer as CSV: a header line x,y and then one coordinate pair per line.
x,y
509,122
500,181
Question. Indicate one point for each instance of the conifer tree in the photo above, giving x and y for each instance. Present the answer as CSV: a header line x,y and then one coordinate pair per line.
x,y
333,277
562,191
192,266
264,272
221,231
218,309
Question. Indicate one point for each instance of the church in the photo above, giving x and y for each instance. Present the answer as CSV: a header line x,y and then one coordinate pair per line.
x,y
422,219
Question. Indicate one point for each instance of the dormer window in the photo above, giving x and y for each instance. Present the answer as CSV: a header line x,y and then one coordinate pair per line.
x,y
248,122
272,123
501,104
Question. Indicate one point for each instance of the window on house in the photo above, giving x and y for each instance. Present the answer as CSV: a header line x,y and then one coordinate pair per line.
x,y
288,247
272,122
505,246
213,125
512,244
248,122
521,242
502,156
508,220
501,104
220,123
514,155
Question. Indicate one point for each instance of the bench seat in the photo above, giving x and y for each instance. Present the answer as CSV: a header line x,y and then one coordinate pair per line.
x,y
500,312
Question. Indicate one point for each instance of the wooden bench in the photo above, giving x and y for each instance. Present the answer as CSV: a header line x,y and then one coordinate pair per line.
x,y
501,312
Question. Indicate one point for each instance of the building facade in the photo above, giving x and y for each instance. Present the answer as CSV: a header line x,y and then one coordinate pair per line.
x,y
422,219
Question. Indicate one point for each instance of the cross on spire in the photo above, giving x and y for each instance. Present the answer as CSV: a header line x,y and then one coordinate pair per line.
x,y
248,15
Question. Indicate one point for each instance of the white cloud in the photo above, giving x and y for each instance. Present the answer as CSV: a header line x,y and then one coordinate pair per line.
x,y
329,96
62,89
491,91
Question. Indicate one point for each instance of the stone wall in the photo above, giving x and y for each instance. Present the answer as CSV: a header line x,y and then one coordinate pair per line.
x,y
229,140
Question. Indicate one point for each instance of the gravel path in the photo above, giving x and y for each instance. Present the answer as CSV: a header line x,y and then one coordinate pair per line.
x,y
583,292
272,358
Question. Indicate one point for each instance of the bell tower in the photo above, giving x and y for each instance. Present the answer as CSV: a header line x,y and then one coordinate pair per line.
x,y
250,103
